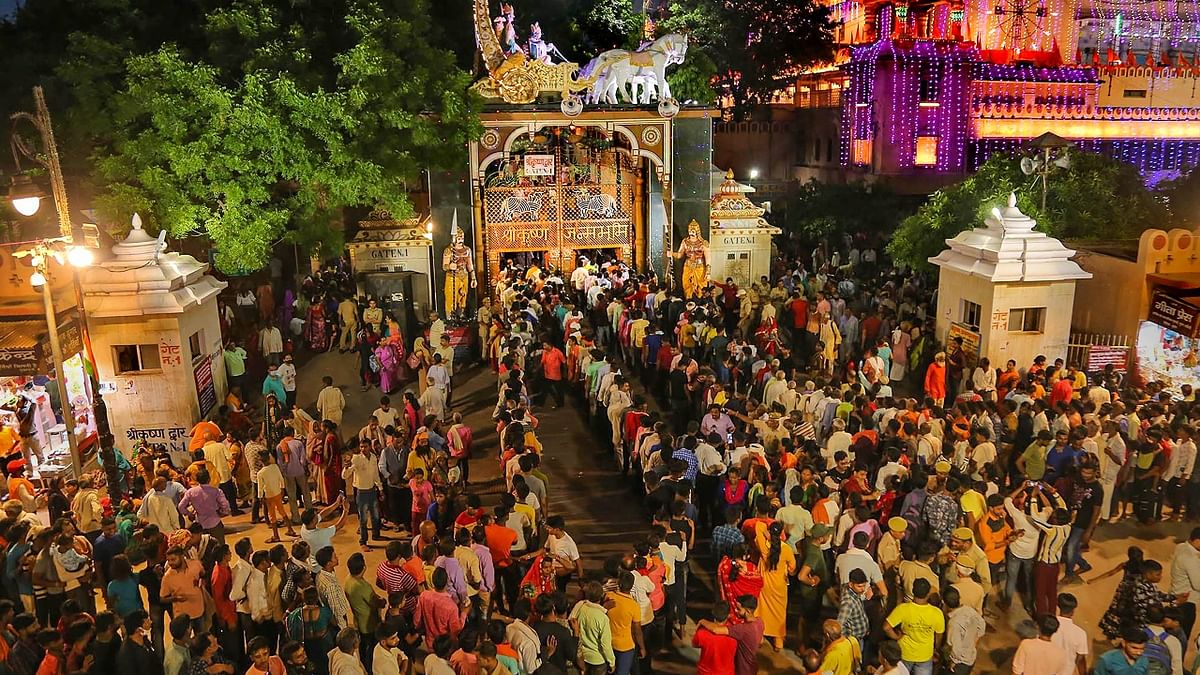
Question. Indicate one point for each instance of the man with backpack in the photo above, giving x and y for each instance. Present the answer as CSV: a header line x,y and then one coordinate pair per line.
x,y
1163,652
1128,658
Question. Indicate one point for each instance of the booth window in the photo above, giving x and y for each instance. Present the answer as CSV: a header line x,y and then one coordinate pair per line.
x,y
196,344
970,313
136,358
1026,320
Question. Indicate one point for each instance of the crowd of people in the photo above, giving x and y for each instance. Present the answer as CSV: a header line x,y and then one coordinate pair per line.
x,y
867,495
858,494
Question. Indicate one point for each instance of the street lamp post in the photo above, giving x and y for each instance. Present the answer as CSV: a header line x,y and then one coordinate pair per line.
x,y
26,199
42,274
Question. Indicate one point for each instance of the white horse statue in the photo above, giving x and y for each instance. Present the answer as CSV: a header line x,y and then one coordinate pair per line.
x,y
624,72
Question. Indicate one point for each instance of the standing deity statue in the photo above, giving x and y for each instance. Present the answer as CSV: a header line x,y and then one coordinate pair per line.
x,y
505,26
697,265
458,263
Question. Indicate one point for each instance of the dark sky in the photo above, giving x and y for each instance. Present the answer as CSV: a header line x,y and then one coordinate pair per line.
x,y
7,6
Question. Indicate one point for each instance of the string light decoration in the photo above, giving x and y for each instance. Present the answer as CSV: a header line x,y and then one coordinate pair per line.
x,y
927,84
1152,157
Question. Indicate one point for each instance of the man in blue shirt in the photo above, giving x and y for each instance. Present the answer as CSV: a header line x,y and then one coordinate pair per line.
x,y
289,454
1128,659
1061,457
107,546
273,384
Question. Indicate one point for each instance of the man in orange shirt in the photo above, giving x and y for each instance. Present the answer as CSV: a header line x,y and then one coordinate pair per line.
x,y
500,540
994,534
553,363
202,433
19,486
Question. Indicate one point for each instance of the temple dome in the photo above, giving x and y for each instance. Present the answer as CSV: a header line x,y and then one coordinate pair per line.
x,y
1008,249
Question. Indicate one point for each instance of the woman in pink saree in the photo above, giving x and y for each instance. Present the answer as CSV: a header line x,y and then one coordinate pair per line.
x,y
389,366
316,331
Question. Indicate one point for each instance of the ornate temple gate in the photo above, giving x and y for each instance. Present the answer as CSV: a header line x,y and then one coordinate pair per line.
x,y
568,208
565,216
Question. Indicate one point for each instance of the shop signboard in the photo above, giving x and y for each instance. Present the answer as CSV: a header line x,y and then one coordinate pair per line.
x,y
17,361
70,339
970,340
1101,356
206,390
1174,313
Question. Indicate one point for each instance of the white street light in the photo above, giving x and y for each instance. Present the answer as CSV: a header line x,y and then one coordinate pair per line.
x,y
753,174
24,195
37,280
80,256
27,206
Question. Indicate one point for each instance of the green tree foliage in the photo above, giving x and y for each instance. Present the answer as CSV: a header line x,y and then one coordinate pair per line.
x,y
267,123
692,81
1096,198
827,211
609,24
756,46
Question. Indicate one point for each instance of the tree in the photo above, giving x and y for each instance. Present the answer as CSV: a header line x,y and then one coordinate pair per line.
x,y
266,127
757,46
609,24
824,212
1095,198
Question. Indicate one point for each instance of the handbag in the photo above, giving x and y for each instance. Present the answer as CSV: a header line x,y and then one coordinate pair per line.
x,y
414,361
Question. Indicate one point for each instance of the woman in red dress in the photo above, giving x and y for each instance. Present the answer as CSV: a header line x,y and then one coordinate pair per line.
x,y
540,578
332,454
738,576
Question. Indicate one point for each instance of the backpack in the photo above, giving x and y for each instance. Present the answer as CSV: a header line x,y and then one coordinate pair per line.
x,y
1156,653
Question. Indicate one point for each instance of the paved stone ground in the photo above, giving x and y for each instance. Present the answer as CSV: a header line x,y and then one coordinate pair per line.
x,y
604,515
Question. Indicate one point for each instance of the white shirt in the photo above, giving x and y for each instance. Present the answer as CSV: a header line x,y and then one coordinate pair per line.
x,y
256,594
387,661
270,341
671,554
287,375
216,454
1025,546
331,403
984,379
239,591
839,441
709,459
363,472
1112,468
270,481
886,472
1185,571
433,401
563,547
387,418
1099,396
159,509
1071,638
857,559
642,588
1182,460
440,376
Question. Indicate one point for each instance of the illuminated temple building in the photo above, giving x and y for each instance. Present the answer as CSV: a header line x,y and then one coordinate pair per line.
x,y
932,89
